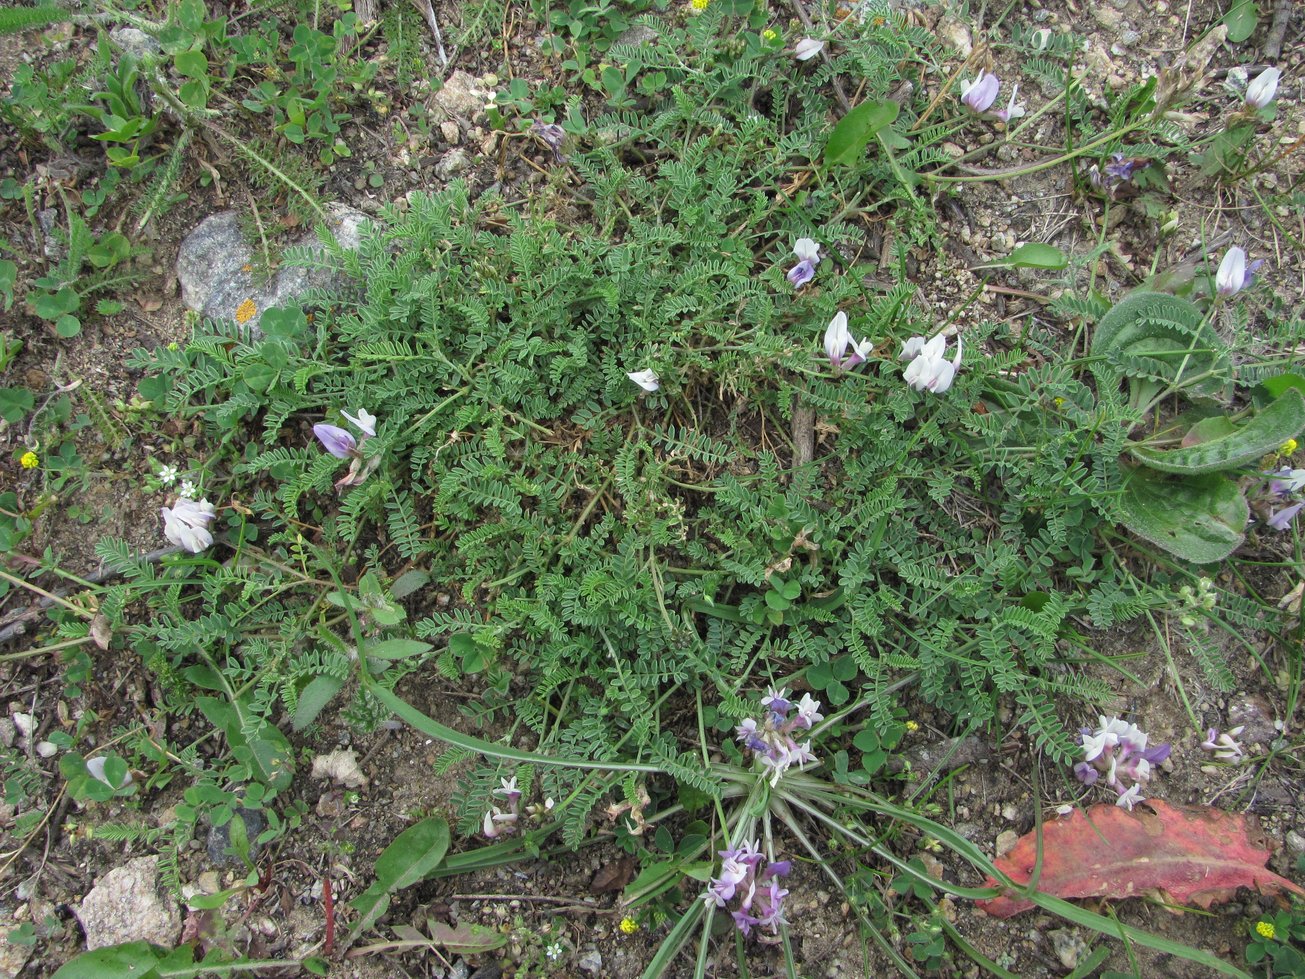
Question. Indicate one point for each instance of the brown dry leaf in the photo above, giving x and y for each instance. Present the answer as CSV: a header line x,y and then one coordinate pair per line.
x,y
149,302
1182,854
101,631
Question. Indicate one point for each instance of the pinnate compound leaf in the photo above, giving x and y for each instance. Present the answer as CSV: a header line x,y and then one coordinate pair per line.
x,y
1182,854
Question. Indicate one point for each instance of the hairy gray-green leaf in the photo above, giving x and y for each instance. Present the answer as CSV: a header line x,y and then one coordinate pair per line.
x,y
1199,518
1283,419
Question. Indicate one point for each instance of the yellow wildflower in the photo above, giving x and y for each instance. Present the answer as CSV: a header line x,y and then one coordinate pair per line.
x,y
1059,402
29,460
245,311
1265,929
913,726
769,35
1287,447
699,4
628,925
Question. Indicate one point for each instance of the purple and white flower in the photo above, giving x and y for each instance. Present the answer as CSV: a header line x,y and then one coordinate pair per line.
x,y
1118,751
336,440
186,524
837,340
1281,519
1225,746
771,740
760,896
980,94
808,253
1234,273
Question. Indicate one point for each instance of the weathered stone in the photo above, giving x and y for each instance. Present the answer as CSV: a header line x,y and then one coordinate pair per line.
x,y
125,906
135,42
219,839
590,961
218,276
452,163
461,97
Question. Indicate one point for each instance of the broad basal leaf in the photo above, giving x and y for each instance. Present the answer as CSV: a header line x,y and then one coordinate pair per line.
x,y
1181,854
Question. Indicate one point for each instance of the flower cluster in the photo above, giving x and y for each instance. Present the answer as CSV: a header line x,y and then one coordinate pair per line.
x,y
927,370
186,524
1117,750
760,897
341,444
1225,746
771,740
503,821
1284,484
499,821
980,94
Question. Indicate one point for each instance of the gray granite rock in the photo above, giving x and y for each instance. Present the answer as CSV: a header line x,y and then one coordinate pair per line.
x,y
125,906
218,274
461,97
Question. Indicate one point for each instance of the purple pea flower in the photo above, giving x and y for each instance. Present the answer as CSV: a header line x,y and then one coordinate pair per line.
x,y
758,892
1287,480
979,94
1281,519
336,440
808,253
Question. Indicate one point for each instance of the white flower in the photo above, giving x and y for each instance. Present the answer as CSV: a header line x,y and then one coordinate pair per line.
x,y
911,348
809,710
1261,91
187,488
1231,276
186,524
929,371
807,250
807,48
1012,111
645,379
366,421
1095,744
1126,799
837,338
168,475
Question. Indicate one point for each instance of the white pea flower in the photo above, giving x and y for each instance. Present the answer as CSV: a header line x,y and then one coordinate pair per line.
x,y
647,380
807,48
186,524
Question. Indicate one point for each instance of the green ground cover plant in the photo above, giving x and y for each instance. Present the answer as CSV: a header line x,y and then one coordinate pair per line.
x,y
676,441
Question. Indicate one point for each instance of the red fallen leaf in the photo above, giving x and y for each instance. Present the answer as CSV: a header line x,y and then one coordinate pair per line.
x,y
1185,854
